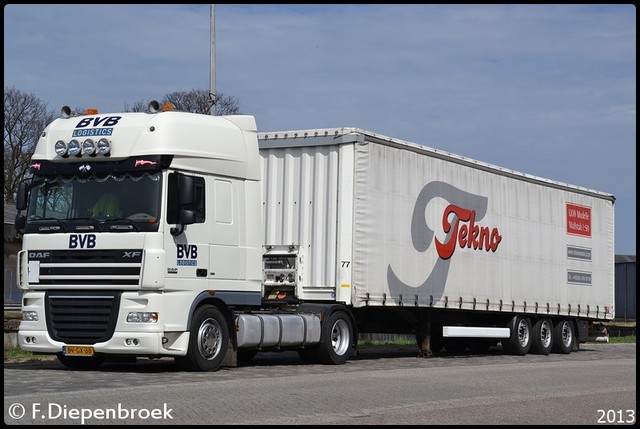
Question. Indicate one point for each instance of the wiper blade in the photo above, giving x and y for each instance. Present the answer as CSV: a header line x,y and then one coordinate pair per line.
x,y
48,228
128,224
94,223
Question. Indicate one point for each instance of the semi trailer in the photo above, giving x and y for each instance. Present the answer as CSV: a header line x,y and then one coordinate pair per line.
x,y
176,234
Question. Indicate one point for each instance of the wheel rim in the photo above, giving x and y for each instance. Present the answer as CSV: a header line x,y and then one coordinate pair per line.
x,y
209,339
340,337
567,335
523,334
545,334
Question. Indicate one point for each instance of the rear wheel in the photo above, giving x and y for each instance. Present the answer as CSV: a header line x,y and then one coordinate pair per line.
x,y
208,341
336,339
520,341
563,337
542,341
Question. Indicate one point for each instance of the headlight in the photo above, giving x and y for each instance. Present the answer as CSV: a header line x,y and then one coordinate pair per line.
x,y
142,317
30,316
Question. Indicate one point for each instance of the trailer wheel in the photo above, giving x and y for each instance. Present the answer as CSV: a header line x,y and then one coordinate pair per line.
x,y
563,337
520,341
336,339
81,362
542,341
208,341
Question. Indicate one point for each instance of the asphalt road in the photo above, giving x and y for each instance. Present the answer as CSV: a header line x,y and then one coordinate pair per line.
x,y
390,385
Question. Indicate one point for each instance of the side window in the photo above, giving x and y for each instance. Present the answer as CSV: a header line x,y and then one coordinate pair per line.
x,y
173,202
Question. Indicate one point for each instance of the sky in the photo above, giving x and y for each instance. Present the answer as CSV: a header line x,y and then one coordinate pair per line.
x,y
548,90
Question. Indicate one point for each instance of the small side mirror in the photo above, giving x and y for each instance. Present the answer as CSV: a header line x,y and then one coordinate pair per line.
x,y
21,197
20,223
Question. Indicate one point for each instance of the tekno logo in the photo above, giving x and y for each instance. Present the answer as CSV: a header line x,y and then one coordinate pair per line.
x,y
458,223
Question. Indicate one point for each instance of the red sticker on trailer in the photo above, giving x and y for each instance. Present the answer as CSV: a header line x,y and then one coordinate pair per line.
x,y
578,220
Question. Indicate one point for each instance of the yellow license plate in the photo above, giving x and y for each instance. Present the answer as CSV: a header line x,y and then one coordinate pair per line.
x,y
77,350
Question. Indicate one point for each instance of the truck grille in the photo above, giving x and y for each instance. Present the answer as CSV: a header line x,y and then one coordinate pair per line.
x,y
86,267
81,317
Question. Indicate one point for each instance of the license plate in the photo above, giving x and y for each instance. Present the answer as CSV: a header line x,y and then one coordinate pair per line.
x,y
77,350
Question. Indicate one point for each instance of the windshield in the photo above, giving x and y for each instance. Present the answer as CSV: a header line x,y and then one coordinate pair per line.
x,y
115,203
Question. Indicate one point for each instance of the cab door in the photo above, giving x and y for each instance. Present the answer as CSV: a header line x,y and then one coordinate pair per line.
x,y
187,246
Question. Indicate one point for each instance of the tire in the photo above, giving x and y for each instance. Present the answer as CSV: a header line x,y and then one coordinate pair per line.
x,y
520,342
563,337
542,337
336,339
81,362
208,340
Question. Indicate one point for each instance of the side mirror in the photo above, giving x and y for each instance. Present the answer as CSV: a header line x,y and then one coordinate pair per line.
x,y
186,195
20,223
21,197
187,217
186,190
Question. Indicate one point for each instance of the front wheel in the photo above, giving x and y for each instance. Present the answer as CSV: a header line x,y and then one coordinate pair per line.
x,y
208,340
336,339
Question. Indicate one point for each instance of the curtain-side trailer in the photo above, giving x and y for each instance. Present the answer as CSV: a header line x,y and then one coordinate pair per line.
x,y
418,240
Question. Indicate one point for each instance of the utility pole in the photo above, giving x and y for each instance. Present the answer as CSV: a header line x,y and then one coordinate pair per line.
x,y
212,71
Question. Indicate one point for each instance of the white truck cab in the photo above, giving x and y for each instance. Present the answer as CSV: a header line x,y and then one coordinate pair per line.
x,y
133,220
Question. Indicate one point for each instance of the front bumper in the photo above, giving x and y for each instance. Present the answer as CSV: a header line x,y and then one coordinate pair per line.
x,y
151,344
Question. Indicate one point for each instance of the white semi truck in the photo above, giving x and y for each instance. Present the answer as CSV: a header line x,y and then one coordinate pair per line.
x,y
174,234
